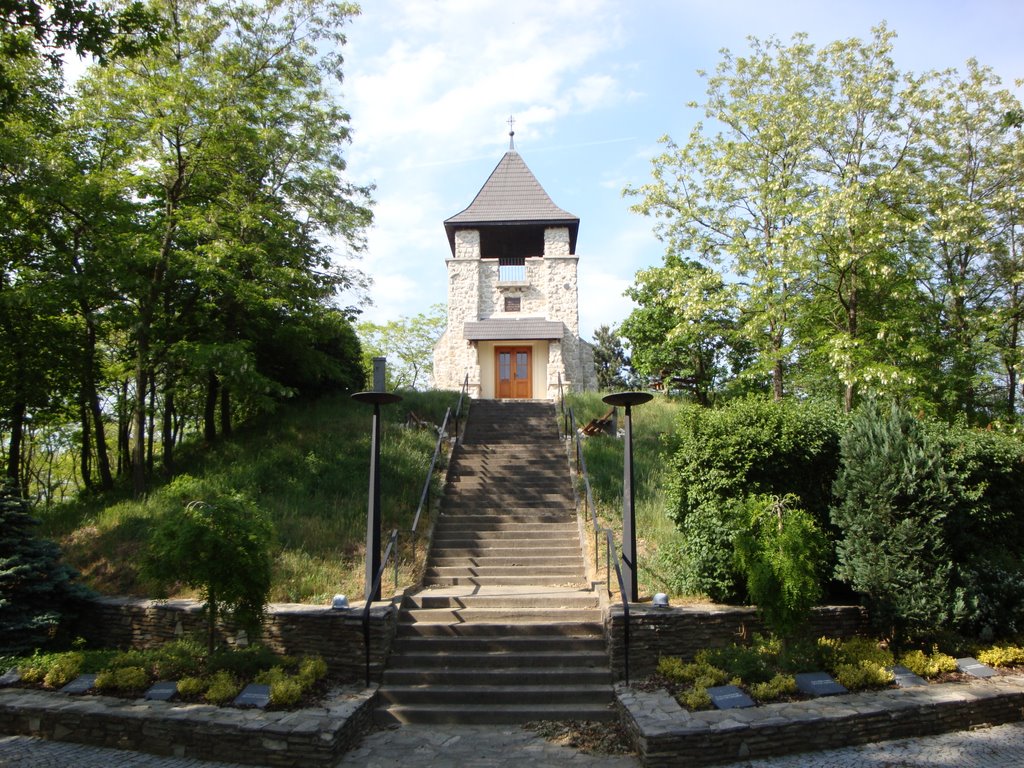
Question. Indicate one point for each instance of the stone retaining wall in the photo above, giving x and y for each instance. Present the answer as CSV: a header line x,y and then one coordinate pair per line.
x,y
666,735
684,630
337,636
307,737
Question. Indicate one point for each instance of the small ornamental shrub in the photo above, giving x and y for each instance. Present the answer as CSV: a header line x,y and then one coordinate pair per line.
x,y
779,687
1003,656
223,688
246,662
749,664
862,676
286,692
312,670
928,665
695,699
123,679
131,659
671,668
182,658
58,669
190,687
858,650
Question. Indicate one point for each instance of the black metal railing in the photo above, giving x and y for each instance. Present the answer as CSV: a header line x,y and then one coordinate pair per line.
x,y
590,511
458,408
388,552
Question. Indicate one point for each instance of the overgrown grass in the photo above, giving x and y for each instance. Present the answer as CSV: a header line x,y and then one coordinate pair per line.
x,y
307,465
652,424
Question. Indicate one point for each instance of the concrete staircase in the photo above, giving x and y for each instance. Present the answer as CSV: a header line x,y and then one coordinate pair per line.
x,y
505,629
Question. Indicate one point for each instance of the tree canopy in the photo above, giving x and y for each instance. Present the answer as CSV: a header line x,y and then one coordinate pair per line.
x,y
854,228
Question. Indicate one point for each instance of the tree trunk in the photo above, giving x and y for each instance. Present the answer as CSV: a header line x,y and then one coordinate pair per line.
x,y
123,430
139,420
17,422
152,423
167,439
225,411
85,463
210,409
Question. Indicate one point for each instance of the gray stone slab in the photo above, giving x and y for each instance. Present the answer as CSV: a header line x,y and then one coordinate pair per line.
x,y
11,677
729,697
79,685
162,691
905,678
818,684
253,695
974,667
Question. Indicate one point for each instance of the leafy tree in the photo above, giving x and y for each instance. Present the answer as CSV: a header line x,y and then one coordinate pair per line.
x,y
893,497
221,547
610,359
782,552
683,326
37,591
408,343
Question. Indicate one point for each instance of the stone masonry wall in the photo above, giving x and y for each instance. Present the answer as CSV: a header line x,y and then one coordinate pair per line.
x,y
682,631
337,636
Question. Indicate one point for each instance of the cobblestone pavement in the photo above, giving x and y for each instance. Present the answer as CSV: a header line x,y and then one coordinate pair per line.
x,y
505,747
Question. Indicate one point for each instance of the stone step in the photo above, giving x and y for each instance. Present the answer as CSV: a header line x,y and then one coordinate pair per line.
x,y
550,630
474,536
502,646
482,714
524,600
506,562
537,516
519,695
432,658
566,675
496,615
567,573
447,553
466,523
479,505
559,580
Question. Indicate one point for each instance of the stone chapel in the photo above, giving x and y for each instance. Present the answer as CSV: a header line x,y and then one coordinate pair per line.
x,y
513,311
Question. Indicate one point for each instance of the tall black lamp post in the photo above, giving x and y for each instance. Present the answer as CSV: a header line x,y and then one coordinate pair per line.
x,y
376,399
629,577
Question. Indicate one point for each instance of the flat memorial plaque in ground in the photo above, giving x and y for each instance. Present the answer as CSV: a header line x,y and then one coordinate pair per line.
x,y
974,667
818,684
905,678
163,691
729,697
254,695
11,677
80,684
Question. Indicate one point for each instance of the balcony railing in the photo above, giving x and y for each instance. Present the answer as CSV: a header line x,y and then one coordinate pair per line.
x,y
512,269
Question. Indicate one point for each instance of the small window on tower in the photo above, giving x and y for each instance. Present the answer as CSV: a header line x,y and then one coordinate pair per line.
x,y
512,303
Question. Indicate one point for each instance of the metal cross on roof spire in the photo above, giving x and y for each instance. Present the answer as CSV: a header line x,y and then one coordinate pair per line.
x,y
511,134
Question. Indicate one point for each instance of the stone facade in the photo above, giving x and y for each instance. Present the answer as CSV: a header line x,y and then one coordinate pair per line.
x,y
547,291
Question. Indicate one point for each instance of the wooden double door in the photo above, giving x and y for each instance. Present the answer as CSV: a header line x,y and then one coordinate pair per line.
x,y
513,375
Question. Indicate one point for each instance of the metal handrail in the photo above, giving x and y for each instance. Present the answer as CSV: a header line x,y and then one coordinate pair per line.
x,y
425,495
392,546
590,509
458,408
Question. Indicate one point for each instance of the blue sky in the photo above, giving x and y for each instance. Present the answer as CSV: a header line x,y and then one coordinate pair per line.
x,y
592,84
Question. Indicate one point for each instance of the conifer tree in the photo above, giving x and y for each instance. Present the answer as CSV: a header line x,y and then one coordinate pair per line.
x,y
37,591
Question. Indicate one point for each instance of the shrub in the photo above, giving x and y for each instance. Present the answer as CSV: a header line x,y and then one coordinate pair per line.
x,y
220,546
893,492
1002,656
63,668
222,688
245,662
311,670
866,674
695,699
928,665
123,679
748,664
781,553
182,658
190,687
749,446
286,692
858,650
671,668
779,687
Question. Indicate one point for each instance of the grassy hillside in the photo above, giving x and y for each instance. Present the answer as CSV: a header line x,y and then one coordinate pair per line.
x,y
307,466
655,531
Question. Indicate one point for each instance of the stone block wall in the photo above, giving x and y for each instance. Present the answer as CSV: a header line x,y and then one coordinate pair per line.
x,y
337,636
684,630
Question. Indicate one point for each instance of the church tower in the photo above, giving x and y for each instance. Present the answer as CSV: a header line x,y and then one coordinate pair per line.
x,y
513,312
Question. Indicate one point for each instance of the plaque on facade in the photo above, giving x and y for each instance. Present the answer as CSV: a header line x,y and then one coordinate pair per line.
x,y
253,695
80,684
974,667
729,697
163,691
818,684
905,678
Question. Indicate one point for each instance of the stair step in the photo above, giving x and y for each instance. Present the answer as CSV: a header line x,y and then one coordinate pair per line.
x,y
568,571
496,660
496,615
500,550
493,714
504,647
501,581
521,629
495,694
486,676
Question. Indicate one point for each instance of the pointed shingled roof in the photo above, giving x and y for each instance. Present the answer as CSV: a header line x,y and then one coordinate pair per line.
x,y
512,195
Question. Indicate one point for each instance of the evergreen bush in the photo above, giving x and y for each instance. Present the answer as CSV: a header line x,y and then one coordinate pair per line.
x,y
38,593
893,495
